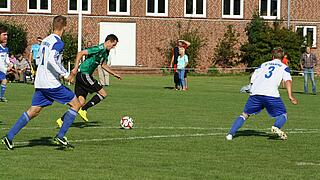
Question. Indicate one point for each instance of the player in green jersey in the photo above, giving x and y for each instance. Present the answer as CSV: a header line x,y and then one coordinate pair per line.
x,y
85,83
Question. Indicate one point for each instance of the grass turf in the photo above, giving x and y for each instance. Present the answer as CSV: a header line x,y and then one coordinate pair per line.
x,y
177,135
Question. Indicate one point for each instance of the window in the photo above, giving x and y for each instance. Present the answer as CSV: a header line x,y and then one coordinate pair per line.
x,y
195,8
309,33
232,8
157,7
270,9
4,5
119,7
42,6
73,6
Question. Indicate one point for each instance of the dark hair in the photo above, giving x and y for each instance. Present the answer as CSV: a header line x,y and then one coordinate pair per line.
x,y
112,38
3,29
59,22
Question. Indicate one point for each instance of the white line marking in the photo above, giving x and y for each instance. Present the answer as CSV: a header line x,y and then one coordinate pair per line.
x,y
140,137
295,131
307,164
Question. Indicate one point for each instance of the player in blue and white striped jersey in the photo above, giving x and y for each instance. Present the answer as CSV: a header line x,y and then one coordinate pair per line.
x,y
265,94
48,87
4,61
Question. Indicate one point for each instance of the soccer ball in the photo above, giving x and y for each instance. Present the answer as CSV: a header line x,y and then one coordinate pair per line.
x,y
126,122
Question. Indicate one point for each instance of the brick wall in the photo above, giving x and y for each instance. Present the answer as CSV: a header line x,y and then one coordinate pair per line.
x,y
155,32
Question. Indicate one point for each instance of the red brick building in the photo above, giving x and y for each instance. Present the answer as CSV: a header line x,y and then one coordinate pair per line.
x,y
153,23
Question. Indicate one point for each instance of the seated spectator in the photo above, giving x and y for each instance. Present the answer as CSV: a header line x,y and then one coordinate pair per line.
x,y
11,71
23,69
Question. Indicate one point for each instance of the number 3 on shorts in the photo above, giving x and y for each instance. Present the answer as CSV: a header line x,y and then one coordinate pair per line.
x,y
269,74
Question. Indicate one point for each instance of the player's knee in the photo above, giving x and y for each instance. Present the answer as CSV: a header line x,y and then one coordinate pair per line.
x,y
102,94
75,104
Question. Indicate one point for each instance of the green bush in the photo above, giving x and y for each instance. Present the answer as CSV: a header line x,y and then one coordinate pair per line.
x,y
17,37
226,54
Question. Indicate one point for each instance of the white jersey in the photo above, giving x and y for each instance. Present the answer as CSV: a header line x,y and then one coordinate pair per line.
x,y
4,59
267,78
50,68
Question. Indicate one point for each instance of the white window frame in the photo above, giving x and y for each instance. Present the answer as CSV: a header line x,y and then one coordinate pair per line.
x,y
195,9
8,7
38,10
314,43
268,16
156,9
76,11
117,12
232,10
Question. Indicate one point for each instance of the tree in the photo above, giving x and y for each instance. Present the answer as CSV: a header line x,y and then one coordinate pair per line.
x,y
263,37
17,37
225,53
70,47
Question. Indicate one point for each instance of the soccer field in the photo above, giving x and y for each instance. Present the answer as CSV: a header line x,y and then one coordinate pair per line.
x,y
177,135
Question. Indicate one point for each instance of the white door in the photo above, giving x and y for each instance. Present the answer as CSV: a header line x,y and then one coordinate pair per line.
x,y
125,52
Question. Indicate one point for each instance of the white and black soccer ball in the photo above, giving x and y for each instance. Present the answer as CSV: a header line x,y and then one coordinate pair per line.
x,y
126,122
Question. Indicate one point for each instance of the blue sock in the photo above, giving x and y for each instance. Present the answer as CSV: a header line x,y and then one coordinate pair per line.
x,y
236,125
280,121
68,119
3,90
21,122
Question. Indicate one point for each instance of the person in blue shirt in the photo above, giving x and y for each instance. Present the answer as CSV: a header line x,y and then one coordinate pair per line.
x,y
33,60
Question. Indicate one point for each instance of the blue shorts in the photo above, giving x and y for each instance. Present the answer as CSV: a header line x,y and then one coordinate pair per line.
x,y
2,76
45,97
257,103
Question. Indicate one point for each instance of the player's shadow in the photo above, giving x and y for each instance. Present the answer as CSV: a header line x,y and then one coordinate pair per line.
x,y
43,141
256,133
86,124
168,87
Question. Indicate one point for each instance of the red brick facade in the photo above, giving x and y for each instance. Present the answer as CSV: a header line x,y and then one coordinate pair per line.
x,y
155,32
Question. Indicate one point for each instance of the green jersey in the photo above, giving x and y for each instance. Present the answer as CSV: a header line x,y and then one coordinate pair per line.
x,y
96,56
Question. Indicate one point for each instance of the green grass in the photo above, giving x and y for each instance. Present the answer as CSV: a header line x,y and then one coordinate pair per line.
x,y
177,135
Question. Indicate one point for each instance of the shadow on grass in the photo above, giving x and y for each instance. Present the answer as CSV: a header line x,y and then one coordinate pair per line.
x,y
168,87
256,133
296,92
86,124
43,141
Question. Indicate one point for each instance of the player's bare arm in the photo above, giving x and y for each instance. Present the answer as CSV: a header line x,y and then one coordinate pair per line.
x,y
289,90
77,62
107,68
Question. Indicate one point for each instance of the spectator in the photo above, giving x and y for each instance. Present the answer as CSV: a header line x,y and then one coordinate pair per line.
x,y
33,57
11,72
285,61
308,61
22,69
181,65
173,63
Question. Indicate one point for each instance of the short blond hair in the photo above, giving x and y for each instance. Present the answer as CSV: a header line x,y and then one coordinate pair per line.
x,y
181,49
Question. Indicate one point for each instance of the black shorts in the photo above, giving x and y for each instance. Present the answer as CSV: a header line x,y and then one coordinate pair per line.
x,y
85,84
186,73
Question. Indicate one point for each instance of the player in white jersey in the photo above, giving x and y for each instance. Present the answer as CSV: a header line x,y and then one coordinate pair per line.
x,y
48,87
4,61
264,94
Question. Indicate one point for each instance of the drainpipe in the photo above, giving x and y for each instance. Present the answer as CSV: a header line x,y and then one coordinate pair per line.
x,y
289,8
